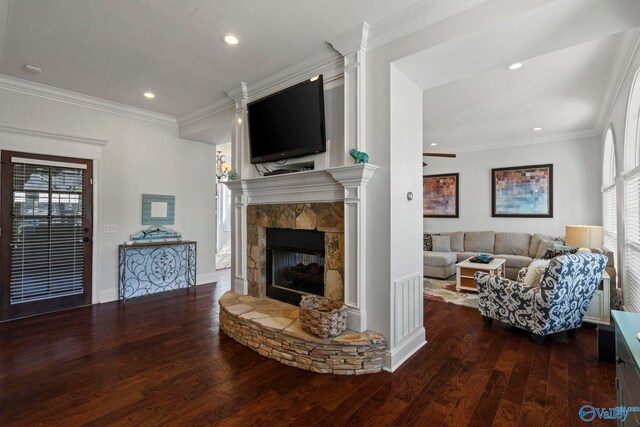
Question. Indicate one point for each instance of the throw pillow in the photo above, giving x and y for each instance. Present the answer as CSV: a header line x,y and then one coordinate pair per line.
x,y
535,271
544,246
441,244
562,250
427,241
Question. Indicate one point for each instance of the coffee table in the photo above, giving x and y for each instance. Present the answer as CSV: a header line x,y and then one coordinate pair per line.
x,y
466,269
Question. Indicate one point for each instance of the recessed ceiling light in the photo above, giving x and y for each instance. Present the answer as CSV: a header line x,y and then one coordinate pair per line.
x,y
537,129
231,39
149,95
239,120
515,66
33,68
433,144
314,78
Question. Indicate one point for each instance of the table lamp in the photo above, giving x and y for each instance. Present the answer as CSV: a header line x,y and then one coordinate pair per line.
x,y
584,236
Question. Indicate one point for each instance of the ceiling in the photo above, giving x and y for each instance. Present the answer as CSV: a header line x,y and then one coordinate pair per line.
x,y
574,55
118,49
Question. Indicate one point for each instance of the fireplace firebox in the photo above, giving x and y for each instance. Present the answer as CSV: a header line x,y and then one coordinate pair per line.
x,y
294,264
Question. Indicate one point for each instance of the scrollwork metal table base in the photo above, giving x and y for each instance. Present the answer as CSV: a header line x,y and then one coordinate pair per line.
x,y
151,268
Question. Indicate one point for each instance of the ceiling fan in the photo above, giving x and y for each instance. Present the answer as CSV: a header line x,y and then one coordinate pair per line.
x,y
437,155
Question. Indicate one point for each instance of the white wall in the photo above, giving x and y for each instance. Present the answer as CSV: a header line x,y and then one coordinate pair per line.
x,y
406,160
140,157
406,293
577,166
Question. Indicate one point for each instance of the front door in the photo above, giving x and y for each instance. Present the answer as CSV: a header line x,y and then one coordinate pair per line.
x,y
45,235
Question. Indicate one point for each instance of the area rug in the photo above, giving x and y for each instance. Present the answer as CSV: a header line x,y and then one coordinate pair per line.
x,y
445,291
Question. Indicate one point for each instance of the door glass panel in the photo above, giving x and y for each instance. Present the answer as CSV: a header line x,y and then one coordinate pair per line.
x,y
47,248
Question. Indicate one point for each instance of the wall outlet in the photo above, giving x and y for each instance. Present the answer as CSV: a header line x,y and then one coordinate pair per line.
x,y
109,228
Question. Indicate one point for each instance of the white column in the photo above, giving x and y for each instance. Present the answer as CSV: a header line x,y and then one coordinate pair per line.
x,y
354,179
351,45
239,158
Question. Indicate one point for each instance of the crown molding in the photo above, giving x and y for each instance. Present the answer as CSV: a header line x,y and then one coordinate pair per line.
x,y
415,18
589,133
74,98
324,61
620,69
351,40
203,112
20,130
238,92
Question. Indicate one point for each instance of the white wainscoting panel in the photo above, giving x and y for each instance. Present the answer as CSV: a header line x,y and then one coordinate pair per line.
x,y
407,307
407,330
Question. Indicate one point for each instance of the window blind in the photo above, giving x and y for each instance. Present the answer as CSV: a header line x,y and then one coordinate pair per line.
x,y
47,248
632,246
610,221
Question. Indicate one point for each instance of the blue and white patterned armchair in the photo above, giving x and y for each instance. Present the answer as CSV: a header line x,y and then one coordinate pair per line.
x,y
558,304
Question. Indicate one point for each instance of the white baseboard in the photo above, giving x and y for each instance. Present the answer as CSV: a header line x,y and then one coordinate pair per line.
x,y
397,356
202,279
356,319
108,295
240,286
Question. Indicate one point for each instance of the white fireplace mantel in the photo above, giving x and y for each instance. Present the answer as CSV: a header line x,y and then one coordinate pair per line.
x,y
326,185
343,183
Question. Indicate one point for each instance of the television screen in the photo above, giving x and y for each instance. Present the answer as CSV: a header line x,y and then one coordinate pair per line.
x,y
289,123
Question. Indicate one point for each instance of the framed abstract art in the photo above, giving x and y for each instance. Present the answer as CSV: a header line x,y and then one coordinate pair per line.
x,y
523,191
440,195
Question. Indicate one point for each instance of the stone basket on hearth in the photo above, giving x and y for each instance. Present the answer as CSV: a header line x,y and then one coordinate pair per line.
x,y
322,316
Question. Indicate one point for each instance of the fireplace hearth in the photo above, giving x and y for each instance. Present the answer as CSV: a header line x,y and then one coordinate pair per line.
x,y
295,264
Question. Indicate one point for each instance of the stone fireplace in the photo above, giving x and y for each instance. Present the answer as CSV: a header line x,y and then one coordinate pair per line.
x,y
330,201
309,236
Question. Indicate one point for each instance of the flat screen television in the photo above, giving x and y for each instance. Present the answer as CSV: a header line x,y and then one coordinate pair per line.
x,y
287,124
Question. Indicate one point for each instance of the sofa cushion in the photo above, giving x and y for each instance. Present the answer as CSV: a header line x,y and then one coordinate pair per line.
x,y
466,255
535,242
513,243
534,273
544,246
479,241
439,259
457,240
427,241
558,250
515,261
441,243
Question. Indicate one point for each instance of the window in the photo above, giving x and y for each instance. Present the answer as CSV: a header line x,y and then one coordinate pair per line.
x,y
632,201
609,211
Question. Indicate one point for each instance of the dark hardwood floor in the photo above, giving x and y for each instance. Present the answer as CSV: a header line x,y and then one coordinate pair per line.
x,y
162,360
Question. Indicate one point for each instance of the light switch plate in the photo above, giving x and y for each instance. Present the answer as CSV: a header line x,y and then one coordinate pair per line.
x,y
109,228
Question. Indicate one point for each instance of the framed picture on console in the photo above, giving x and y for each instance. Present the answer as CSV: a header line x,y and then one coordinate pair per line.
x,y
440,195
522,191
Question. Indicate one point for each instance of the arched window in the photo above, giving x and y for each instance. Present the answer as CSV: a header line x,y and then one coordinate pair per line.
x,y
632,200
609,206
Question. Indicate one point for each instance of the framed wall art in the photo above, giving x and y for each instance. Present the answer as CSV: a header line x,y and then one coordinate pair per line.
x,y
440,195
522,191
158,209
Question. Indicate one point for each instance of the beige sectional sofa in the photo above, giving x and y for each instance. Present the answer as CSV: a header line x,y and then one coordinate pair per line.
x,y
518,249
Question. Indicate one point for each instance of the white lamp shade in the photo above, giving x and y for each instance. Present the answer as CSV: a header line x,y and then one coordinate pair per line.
x,y
585,236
